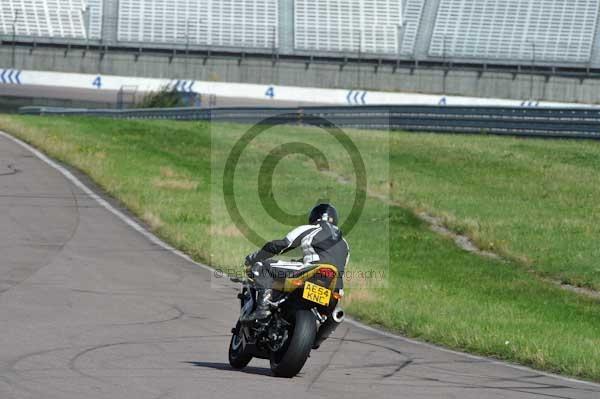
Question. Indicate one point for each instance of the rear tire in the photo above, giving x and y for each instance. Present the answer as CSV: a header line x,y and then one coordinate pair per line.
x,y
238,359
290,359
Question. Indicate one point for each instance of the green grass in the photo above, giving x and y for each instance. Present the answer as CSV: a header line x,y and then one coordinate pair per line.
x,y
531,200
535,201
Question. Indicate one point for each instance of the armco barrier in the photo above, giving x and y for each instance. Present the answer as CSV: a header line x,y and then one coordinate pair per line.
x,y
544,122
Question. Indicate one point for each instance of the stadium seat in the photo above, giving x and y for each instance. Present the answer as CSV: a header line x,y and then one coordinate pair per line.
x,y
413,13
371,26
51,18
535,30
230,23
510,31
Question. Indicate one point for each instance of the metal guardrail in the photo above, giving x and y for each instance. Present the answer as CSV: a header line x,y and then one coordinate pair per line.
x,y
518,121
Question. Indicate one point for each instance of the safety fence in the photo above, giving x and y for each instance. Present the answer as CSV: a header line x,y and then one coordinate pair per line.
x,y
517,121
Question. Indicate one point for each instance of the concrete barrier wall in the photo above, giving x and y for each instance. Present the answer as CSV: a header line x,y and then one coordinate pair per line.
x,y
523,89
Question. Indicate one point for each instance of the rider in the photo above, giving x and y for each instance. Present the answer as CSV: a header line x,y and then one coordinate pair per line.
x,y
321,242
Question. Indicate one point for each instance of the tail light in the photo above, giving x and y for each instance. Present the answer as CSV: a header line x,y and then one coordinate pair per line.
x,y
326,273
298,283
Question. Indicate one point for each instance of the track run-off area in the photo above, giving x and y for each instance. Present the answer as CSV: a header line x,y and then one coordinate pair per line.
x,y
94,306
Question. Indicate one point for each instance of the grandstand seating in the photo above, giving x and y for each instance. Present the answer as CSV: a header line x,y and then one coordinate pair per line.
x,y
50,18
337,25
536,30
371,26
555,32
413,13
95,18
233,23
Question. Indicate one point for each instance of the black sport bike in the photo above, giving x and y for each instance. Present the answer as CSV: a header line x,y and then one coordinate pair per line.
x,y
304,313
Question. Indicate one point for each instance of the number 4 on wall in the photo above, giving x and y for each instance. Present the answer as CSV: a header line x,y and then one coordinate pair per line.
x,y
270,92
97,82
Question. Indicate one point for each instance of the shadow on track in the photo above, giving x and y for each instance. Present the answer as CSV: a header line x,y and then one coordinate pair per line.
x,y
225,366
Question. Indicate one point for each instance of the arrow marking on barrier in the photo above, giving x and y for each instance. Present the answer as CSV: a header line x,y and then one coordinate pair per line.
x,y
18,77
355,97
530,104
10,73
2,75
186,86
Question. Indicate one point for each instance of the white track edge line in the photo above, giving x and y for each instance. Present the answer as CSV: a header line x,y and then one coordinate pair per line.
x,y
157,241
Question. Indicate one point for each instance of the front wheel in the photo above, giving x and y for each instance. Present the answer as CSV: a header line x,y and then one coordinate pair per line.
x,y
238,359
289,360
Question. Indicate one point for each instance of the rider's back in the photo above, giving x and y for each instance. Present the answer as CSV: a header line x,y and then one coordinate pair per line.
x,y
325,244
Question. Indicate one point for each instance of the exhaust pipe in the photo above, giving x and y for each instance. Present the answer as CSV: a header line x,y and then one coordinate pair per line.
x,y
329,326
338,314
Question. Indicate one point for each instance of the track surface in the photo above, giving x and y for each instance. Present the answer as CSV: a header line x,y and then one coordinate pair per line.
x,y
91,308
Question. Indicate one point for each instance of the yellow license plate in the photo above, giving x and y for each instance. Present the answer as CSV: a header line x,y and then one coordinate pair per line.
x,y
316,293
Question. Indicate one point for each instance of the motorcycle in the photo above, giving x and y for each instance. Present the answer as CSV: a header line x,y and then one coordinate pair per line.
x,y
304,313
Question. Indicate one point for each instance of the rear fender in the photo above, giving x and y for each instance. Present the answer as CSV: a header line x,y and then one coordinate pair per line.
x,y
292,284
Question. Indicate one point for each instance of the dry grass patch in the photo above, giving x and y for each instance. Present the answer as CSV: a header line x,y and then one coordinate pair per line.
x,y
359,291
358,295
171,180
166,171
153,220
175,184
225,231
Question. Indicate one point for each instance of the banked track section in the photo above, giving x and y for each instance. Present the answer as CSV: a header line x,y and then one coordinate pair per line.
x,y
99,308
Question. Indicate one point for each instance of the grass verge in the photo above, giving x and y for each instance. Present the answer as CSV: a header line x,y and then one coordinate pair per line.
x,y
436,292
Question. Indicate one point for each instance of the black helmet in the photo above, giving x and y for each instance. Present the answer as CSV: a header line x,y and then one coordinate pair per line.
x,y
326,212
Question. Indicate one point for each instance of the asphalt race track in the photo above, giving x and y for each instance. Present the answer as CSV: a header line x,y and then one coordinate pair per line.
x,y
92,308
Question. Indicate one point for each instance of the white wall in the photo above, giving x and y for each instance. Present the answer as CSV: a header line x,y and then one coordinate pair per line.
x,y
253,91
